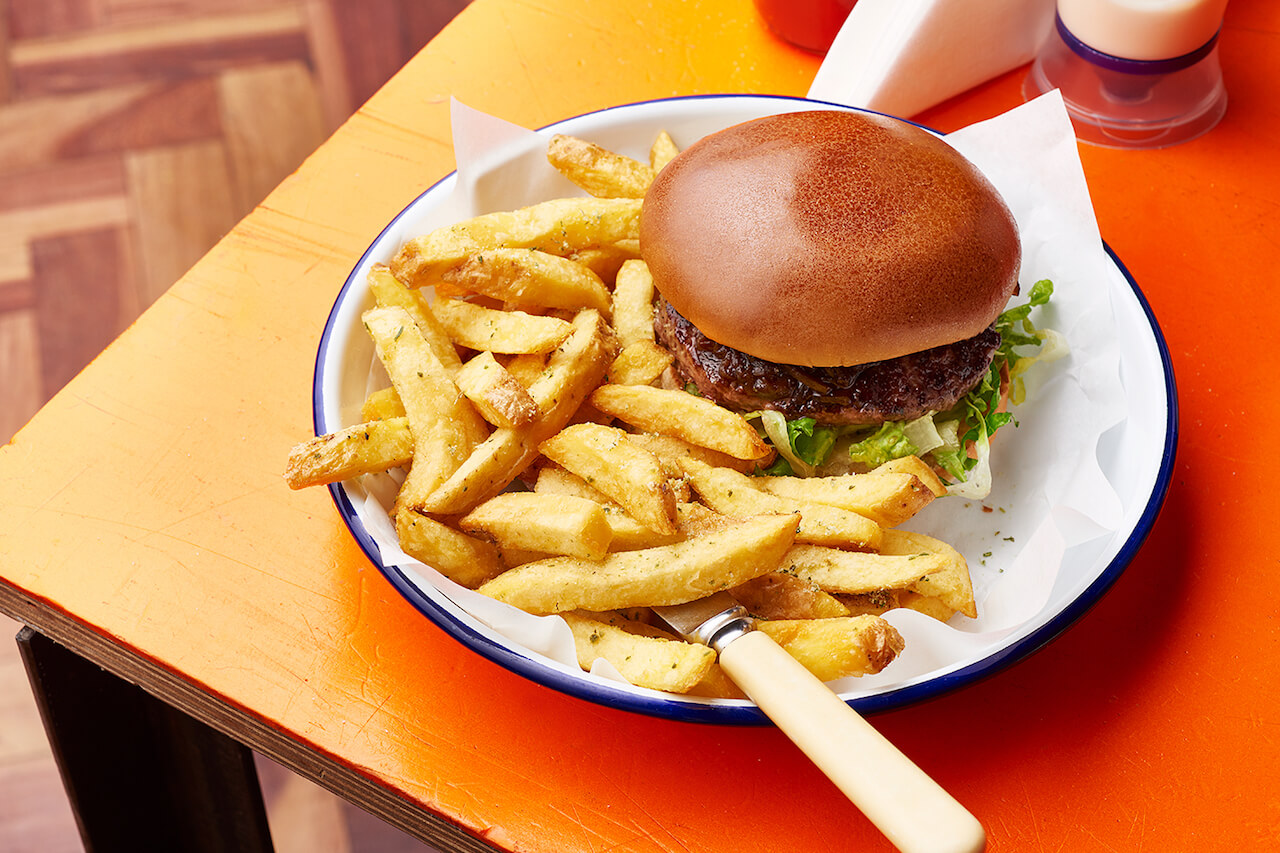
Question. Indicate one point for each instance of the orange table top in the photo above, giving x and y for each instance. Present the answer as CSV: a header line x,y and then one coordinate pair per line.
x,y
144,513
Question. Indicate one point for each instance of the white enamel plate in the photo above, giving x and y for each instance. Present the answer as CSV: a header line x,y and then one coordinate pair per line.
x,y
1118,385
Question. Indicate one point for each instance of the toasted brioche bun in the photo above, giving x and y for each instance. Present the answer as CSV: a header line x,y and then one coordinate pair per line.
x,y
829,239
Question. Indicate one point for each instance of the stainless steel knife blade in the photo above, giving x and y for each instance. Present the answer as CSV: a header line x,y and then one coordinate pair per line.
x,y
714,621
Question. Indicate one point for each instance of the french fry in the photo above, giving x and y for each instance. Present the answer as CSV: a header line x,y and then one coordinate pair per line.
x,y
644,660
633,620
875,603
633,292
694,520
480,328
627,473
526,367
639,363
560,226
951,583
496,394
605,261
388,292
670,574
550,524
830,648
572,371
917,467
730,493
672,450
597,170
926,604
631,535
677,413
716,684
588,414
887,498
839,647
461,558
361,449
628,534
778,595
554,480
526,278
381,405
512,557
445,427
662,151
839,571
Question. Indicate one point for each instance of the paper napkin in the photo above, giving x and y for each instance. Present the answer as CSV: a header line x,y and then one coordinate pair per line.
x,y
903,56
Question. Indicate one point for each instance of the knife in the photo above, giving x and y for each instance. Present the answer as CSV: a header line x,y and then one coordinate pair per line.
x,y
911,809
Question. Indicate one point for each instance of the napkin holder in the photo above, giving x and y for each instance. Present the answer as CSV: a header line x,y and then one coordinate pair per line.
x,y
904,56
1118,101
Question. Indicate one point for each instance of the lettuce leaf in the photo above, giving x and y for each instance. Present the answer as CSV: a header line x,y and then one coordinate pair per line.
x,y
1017,330
803,445
969,463
889,442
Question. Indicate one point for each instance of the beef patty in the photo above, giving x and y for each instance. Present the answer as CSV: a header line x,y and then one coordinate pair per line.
x,y
896,389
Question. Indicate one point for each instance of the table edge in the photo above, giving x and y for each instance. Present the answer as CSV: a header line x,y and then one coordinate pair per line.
x,y
238,724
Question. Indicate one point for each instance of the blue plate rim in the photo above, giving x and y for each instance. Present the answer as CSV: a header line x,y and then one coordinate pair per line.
x,y
653,703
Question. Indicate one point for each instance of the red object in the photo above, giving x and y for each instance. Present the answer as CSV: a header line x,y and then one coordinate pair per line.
x,y
811,24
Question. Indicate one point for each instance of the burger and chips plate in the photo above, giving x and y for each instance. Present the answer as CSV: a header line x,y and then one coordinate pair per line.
x,y
1128,440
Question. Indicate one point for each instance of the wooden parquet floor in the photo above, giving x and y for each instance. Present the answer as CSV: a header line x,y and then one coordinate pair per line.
x,y
133,134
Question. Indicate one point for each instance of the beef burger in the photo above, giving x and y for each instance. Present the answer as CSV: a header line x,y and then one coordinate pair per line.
x,y
839,275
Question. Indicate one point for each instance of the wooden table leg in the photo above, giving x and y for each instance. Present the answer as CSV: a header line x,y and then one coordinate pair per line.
x,y
140,774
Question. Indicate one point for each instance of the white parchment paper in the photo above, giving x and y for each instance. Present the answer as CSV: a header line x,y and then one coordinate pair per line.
x,y
1050,493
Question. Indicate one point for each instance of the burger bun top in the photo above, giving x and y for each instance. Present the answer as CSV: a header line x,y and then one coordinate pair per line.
x,y
829,238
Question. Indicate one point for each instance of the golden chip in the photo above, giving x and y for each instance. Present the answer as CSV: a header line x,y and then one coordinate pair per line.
x,y
549,524
599,171
560,227
669,574
627,473
480,328
677,413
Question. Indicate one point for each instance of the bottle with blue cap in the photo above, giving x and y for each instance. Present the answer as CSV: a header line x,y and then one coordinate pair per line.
x,y
1135,73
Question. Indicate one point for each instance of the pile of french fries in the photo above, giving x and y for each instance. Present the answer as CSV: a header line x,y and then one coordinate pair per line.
x,y
550,466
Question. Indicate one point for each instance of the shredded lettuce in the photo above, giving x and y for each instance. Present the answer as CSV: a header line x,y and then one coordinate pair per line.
x,y
1017,330
952,455
889,442
804,446
924,434
967,461
969,465
972,478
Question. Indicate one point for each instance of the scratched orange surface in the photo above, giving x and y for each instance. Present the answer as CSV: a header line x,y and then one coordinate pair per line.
x,y
146,500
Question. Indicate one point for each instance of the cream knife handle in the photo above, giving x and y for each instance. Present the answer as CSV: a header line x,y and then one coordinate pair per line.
x,y
911,809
